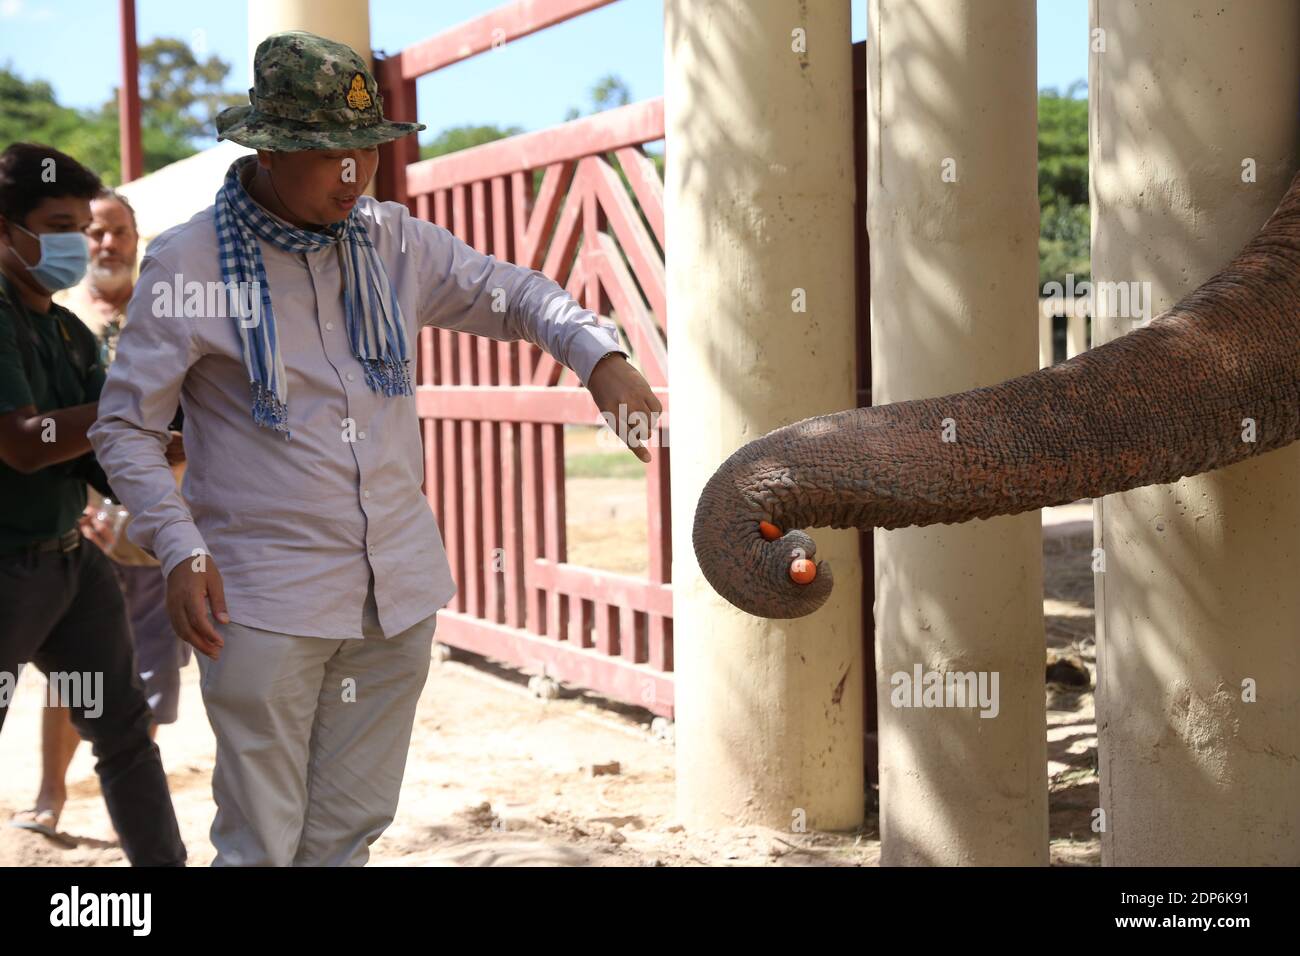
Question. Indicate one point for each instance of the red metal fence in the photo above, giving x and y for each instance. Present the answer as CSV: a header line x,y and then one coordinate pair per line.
x,y
493,414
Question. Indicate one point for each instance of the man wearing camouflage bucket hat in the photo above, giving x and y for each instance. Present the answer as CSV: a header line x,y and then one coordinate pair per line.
x,y
303,441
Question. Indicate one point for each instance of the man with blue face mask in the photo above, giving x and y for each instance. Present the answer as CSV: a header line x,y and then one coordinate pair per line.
x,y
60,606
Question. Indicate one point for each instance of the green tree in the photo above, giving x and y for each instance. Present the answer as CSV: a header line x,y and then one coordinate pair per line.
x,y
30,113
1063,242
181,95
455,138
605,94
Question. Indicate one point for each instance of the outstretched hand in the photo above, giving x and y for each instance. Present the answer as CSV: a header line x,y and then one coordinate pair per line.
x,y
626,402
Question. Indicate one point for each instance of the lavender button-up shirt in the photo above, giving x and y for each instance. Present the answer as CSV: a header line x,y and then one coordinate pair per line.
x,y
297,528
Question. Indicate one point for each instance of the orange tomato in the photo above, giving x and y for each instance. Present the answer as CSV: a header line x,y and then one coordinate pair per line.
x,y
768,530
803,571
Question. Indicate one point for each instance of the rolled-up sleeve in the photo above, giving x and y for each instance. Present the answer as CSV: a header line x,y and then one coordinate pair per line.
x,y
137,404
471,291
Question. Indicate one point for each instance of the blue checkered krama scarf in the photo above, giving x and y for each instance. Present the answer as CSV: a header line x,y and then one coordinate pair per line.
x,y
374,319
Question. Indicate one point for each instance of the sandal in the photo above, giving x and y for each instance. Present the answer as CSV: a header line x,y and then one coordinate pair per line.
x,y
35,824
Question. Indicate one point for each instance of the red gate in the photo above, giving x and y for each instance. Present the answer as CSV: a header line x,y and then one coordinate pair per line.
x,y
494,413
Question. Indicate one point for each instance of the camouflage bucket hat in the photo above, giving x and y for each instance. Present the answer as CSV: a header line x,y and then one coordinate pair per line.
x,y
310,93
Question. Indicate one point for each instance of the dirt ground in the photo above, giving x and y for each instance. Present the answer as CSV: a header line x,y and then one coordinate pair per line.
x,y
498,777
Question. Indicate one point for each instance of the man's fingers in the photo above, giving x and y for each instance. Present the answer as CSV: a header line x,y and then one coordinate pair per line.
x,y
206,637
181,625
643,427
217,596
639,449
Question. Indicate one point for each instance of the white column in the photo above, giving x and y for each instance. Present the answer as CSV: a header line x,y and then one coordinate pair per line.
x,y
1200,593
759,218
1046,352
347,21
953,216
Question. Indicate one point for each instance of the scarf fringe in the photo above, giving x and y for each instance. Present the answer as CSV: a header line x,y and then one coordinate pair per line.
x,y
388,376
268,410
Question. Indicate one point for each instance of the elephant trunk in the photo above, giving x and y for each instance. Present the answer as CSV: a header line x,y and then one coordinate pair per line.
x,y
1214,380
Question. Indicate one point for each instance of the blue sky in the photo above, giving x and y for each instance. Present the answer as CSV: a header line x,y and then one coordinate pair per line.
x,y
530,83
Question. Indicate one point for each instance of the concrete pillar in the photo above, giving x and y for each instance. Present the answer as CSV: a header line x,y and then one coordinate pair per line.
x,y
953,217
759,199
1076,333
1199,592
1045,350
347,21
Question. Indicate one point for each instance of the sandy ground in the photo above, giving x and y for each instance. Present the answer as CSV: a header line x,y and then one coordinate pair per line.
x,y
498,777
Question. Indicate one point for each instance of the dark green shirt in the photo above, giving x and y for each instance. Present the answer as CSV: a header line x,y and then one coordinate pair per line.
x,y
65,371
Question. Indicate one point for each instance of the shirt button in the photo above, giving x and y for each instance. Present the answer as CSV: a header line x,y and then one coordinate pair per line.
x,y
366,493
351,377
329,326
371,549
361,435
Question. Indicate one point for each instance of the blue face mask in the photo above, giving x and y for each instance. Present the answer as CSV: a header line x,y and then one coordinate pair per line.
x,y
63,261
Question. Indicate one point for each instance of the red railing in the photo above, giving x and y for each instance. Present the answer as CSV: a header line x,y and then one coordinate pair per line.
x,y
493,413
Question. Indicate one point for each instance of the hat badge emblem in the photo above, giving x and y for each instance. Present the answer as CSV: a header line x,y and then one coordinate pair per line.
x,y
358,97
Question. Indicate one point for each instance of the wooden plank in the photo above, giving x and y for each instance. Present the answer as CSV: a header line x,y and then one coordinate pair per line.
x,y
447,433
642,331
593,221
535,601
451,522
643,177
602,132
594,584
554,530
540,221
659,510
480,218
398,99
631,640
546,370
659,642
526,403
471,527
489,31
561,257
522,203
647,264
612,677
487,433
581,621
605,628
511,591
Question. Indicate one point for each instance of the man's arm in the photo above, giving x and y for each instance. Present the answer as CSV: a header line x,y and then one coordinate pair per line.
x,y
473,292
136,405
32,440
138,402
470,291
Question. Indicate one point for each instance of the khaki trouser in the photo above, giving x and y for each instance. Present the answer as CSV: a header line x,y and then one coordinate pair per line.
x,y
312,735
